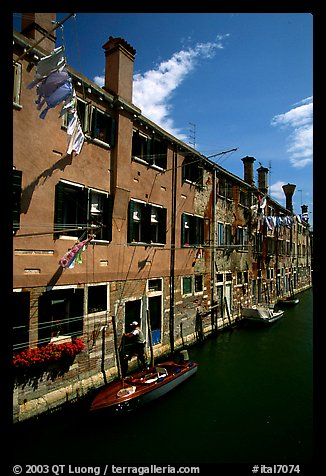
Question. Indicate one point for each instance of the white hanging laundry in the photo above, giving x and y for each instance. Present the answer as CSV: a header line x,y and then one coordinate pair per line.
x,y
50,63
76,140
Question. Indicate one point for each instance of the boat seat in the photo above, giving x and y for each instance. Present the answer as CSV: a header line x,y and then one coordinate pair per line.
x,y
161,371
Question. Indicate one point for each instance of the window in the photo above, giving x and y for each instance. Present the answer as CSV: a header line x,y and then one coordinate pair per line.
x,y
219,278
146,223
225,188
242,237
20,316
151,150
17,188
192,230
17,70
192,170
186,285
155,285
97,299
271,245
60,313
100,214
239,277
220,234
102,126
198,283
228,234
79,208
258,240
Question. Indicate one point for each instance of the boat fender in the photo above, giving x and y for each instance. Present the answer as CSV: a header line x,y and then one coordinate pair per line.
x,y
190,364
177,371
160,379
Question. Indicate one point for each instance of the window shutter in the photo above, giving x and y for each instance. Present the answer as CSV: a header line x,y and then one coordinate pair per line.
x,y
184,218
131,234
17,187
162,225
58,212
146,223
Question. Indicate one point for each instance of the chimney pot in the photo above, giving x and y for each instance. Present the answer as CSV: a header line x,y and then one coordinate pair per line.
x,y
248,163
289,191
262,179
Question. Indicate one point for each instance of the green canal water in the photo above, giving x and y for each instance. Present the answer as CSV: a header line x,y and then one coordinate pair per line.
x,y
251,401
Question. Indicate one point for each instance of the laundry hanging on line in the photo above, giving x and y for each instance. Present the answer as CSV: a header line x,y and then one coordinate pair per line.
x,y
54,86
68,259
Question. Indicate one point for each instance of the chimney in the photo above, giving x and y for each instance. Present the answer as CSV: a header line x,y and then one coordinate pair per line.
x,y
35,25
262,179
289,191
248,163
119,67
304,212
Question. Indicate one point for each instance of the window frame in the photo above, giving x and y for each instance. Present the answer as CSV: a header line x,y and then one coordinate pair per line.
x,y
149,150
145,225
195,234
82,211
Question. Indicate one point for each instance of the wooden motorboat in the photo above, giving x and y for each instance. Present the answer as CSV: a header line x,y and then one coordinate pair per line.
x,y
142,387
261,314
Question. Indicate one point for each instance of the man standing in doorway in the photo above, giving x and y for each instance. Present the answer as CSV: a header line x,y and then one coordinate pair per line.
x,y
133,343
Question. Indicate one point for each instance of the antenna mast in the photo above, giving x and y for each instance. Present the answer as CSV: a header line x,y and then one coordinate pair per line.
x,y
192,135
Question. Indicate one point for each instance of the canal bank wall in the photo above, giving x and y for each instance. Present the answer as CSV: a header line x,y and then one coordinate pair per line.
x,y
31,401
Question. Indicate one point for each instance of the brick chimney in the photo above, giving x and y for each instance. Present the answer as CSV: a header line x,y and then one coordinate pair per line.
x,y
119,67
248,163
262,179
289,191
35,25
304,212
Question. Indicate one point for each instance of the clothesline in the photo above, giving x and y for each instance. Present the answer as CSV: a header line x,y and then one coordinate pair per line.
x,y
54,86
277,221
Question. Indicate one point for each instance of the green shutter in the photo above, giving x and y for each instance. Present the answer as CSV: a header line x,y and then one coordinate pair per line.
x,y
183,229
162,225
58,211
130,222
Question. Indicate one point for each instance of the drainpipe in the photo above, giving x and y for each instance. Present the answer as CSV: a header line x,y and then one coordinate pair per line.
x,y
213,274
172,255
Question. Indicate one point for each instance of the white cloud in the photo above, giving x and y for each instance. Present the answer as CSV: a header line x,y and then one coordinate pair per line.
x,y
152,90
276,191
99,80
300,120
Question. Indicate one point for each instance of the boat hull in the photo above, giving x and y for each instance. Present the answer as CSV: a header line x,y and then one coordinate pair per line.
x,y
261,315
288,302
141,388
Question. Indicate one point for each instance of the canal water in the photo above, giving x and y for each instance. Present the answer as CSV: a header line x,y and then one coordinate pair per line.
x,y
251,401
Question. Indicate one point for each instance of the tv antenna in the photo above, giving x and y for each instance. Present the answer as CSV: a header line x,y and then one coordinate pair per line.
x,y
192,135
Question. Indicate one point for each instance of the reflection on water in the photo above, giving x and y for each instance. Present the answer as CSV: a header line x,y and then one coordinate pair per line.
x,y
250,402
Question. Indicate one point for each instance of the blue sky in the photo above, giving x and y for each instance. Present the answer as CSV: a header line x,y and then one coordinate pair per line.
x,y
225,80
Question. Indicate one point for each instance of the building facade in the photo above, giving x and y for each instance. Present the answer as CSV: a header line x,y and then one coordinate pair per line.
x,y
165,236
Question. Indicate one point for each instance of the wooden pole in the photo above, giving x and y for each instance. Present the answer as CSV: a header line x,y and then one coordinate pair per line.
x,y
150,337
103,354
227,309
116,346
